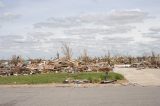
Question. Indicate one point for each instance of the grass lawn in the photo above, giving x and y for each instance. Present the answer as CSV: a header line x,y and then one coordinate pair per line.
x,y
58,78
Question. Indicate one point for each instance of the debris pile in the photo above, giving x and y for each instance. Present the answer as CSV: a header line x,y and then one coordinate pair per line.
x,y
18,66
44,66
67,81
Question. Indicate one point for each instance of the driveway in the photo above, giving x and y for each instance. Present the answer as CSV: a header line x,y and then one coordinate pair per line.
x,y
144,77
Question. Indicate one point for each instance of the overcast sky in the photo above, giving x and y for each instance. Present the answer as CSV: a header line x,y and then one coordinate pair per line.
x,y
36,28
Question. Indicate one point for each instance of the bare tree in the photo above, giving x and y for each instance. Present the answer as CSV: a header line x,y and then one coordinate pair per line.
x,y
109,58
16,59
153,58
67,50
85,56
57,55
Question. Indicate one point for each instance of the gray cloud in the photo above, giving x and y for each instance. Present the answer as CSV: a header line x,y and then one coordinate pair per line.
x,y
107,19
84,29
60,22
149,47
153,33
9,40
93,32
116,17
10,37
81,32
8,16
118,40
33,44
41,35
155,29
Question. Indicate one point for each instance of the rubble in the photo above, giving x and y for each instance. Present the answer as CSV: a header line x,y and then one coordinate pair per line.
x,y
108,81
57,65
142,65
18,66
67,81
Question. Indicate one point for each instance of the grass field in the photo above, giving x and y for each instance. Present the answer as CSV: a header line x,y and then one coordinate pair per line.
x,y
58,78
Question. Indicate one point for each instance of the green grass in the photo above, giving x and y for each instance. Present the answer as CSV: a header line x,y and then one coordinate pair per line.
x,y
58,78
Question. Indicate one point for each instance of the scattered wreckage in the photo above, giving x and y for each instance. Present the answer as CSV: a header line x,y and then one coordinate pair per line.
x,y
57,65
18,66
143,65
67,81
